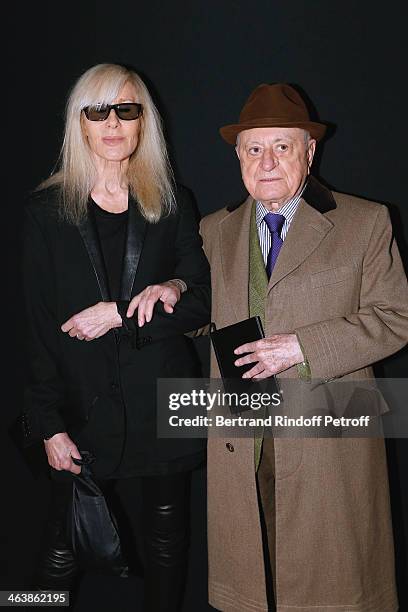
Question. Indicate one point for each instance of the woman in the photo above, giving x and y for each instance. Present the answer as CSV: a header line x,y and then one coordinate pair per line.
x,y
110,226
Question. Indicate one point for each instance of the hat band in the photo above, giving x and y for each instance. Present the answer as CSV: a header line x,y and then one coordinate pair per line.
x,y
277,120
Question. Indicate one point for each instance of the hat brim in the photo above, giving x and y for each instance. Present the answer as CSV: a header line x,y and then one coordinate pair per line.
x,y
230,132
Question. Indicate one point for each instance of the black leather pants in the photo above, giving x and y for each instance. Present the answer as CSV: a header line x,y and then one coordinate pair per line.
x,y
165,529
57,568
165,518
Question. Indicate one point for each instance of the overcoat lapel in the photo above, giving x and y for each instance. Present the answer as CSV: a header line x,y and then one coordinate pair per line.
x,y
136,233
307,230
234,245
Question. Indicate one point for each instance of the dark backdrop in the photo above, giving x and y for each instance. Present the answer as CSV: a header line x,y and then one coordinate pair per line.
x,y
200,59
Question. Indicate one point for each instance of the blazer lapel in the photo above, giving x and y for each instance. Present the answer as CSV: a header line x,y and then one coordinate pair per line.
x,y
89,235
136,232
307,230
234,237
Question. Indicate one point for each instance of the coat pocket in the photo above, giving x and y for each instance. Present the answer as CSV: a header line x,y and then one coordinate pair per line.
x,y
80,405
332,276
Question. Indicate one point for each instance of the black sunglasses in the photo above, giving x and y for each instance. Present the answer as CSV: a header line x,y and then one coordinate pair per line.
x,y
128,111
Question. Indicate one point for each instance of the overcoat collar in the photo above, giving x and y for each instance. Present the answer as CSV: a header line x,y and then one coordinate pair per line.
x,y
136,231
307,230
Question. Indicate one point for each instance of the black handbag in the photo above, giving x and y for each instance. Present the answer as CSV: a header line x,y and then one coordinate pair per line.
x,y
92,528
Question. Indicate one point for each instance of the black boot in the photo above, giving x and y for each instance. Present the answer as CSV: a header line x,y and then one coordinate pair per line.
x,y
57,568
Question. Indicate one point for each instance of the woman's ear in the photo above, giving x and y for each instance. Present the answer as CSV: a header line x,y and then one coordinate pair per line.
x,y
83,126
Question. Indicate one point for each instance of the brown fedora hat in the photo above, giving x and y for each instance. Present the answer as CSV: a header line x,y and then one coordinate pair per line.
x,y
277,105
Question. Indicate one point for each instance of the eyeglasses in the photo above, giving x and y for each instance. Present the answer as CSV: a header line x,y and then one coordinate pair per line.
x,y
128,111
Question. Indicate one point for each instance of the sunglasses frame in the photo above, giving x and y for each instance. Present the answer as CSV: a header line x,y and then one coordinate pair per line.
x,y
116,108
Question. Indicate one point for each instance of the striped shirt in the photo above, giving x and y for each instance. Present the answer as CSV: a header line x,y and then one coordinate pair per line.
x,y
288,210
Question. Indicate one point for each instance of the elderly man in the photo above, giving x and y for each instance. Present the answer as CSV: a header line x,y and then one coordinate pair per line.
x,y
323,272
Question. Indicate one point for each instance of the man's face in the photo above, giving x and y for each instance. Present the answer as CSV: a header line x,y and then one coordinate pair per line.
x,y
274,162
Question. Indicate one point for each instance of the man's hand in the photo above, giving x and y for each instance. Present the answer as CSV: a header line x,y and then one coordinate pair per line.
x,y
271,355
60,448
169,293
93,322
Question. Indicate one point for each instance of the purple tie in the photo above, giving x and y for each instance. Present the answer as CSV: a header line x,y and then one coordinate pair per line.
x,y
275,223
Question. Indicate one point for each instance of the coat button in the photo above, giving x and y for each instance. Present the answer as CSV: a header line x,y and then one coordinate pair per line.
x,y
114,386
230,447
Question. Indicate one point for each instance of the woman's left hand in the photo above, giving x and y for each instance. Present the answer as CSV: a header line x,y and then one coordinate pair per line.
x,y
93,322
169,293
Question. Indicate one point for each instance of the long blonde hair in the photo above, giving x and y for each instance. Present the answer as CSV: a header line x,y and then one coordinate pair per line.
x,y
149,175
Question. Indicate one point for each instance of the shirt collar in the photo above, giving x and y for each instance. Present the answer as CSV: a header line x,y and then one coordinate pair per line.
x,y
287,210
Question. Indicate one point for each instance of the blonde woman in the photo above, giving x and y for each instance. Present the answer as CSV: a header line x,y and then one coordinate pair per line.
x,y
111,225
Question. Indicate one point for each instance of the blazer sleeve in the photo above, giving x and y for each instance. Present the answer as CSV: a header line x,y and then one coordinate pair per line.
x,y
44,389
379,328
194,307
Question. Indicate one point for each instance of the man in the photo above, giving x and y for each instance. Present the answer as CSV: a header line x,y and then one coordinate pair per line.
x,y
323,272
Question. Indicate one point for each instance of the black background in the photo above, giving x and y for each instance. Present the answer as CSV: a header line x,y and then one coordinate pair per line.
x,y
200,60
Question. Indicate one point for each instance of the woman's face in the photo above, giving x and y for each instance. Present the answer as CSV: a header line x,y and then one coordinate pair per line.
x,y
114,139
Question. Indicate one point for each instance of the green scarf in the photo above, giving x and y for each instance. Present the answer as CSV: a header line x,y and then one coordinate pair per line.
x,y
258,285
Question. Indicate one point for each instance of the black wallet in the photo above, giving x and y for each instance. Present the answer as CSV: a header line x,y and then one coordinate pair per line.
x,y
224,341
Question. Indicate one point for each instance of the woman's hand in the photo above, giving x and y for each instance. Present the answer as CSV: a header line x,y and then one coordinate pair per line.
x,y
169,293
93,322
60,448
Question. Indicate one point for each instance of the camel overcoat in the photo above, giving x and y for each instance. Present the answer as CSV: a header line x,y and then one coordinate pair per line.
x,y
340,285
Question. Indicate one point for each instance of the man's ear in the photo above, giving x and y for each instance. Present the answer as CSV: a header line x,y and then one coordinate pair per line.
x,y
237,151
311,148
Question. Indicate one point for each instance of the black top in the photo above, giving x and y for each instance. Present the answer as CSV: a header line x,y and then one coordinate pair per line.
x,y
111,229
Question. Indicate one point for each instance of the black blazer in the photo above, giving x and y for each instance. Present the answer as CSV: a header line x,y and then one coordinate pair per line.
x,y
103,392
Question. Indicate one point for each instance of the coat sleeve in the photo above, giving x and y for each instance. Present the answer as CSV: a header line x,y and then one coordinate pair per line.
x,y
44,389
194,307
379,328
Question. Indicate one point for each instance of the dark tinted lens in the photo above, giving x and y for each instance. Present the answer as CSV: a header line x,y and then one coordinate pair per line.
x,y
129,111
96,113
